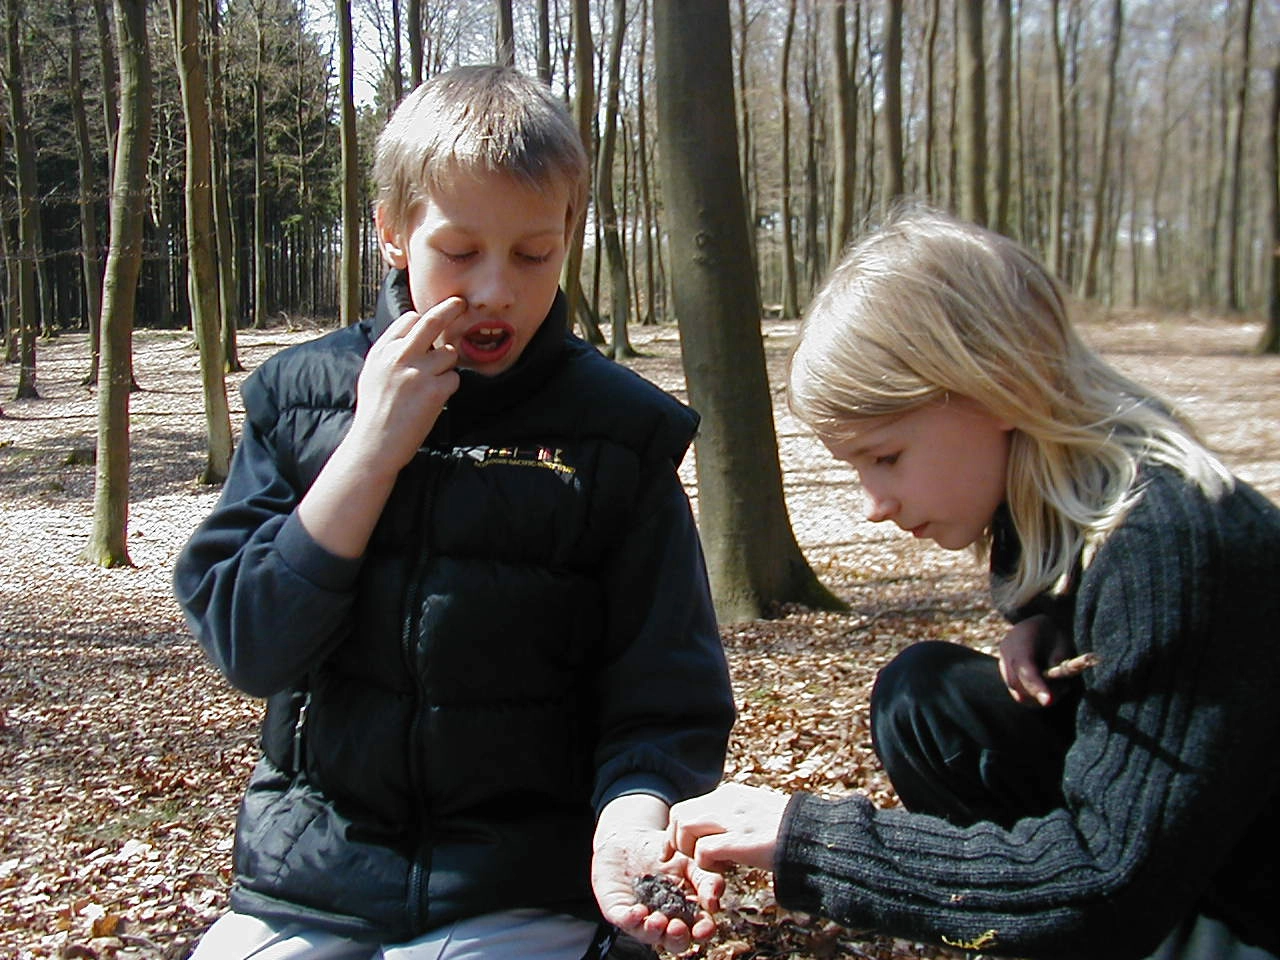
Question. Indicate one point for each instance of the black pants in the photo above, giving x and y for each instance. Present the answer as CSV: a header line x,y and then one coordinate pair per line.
x,y
956,745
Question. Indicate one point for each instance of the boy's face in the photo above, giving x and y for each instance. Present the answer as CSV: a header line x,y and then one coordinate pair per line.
x,y
496,243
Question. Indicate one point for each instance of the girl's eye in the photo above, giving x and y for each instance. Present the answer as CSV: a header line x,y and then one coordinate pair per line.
x,y
458,257
534,258
886,460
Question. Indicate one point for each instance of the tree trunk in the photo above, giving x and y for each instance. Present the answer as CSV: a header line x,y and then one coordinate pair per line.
x,y
89,265
894,164
790,296
108,542
1270,340
260,181
844,128
110,105
349,281
753,560
606,208
583,113
1058,186
544,41
928,177
228,275
1102,165
413,19
28,207
1004,116
972,100
504,39
202,275
1235,287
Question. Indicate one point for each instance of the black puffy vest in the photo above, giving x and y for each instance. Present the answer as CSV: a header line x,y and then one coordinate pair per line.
x,y
439,763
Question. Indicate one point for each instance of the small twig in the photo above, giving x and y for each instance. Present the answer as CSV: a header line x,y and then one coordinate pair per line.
x,y
1072,667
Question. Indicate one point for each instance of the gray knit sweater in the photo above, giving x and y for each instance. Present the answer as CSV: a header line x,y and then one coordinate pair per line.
x,y
1172,785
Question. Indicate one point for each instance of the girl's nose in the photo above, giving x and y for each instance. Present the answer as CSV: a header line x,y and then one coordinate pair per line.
x,y
880,509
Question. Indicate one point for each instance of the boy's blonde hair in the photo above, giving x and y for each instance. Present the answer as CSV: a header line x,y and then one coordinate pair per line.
x,y
478,119
928,305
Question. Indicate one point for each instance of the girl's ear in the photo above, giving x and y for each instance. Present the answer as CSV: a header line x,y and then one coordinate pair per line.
x,y
390,242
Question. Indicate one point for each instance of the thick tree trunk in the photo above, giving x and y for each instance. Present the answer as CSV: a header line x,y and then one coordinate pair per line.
x,y
752,556
1001,191
202,275
259,180
504,34
1058,186
108,542
228,274
413,24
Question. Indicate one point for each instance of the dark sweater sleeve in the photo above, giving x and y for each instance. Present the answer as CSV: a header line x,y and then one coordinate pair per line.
x,y
265,601
666,706
1172,767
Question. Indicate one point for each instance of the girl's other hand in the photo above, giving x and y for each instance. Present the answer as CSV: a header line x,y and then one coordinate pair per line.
x,y
1029,648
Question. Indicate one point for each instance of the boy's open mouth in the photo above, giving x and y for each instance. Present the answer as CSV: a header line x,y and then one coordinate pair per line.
x,y
486,342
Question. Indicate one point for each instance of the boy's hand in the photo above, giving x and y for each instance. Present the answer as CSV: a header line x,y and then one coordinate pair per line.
x,y
627,849
1029,648
405,383
732,824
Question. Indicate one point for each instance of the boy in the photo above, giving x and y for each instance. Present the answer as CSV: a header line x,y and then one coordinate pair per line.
x,y
454,555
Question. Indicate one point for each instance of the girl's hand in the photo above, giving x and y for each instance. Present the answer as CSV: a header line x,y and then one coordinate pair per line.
x,y
1029,648
732,824
628,847
405,383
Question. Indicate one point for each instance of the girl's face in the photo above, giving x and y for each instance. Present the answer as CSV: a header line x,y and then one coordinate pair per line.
x,y
938,472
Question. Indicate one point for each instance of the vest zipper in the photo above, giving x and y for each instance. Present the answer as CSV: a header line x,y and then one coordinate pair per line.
x,y
298,726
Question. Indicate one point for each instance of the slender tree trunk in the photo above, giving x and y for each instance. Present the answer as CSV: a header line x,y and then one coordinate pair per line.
x,y
753,560
108,543
544,41
1102,166
583,112
606,207
643,169
28,207
397,59
349,291
89,265
110,105
844,128
228,275
894,163
202,276
504,39
972,96
1235,287
745,131
1058,187
790,296
1004,116
260,179
1270,340
413,18
928,176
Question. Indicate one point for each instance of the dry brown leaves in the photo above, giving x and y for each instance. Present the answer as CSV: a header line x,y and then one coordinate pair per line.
x,y
122,754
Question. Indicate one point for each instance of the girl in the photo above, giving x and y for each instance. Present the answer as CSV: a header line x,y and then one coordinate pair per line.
x,y
1128,811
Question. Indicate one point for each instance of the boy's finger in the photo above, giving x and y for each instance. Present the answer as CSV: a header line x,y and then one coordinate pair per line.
x,y
424,334
401,325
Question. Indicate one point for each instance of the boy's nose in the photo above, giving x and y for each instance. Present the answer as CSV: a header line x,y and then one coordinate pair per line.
x,y
493,290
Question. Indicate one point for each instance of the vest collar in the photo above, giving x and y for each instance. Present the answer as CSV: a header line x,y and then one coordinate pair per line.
x,y
479,393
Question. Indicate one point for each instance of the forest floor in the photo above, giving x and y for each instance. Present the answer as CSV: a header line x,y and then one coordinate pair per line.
x,y
123,754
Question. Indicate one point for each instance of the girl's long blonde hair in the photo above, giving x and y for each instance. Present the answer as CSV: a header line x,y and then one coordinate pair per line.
x,y
928,305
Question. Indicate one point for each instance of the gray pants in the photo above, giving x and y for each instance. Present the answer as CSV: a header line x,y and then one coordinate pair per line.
x,y
510,935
